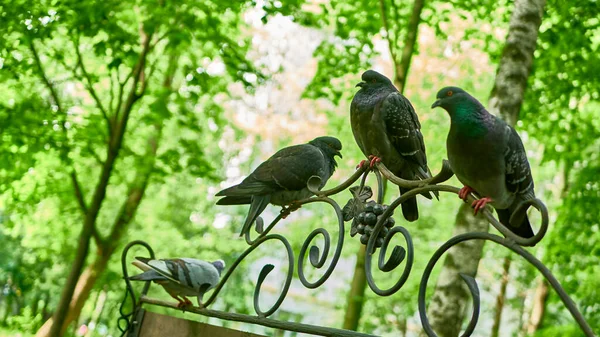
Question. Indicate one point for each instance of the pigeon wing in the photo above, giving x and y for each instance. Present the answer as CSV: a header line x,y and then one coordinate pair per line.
x,y
175,270
518,173
288,169
403,128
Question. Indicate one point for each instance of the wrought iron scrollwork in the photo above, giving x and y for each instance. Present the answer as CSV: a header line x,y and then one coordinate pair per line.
x,y
326,258
124,323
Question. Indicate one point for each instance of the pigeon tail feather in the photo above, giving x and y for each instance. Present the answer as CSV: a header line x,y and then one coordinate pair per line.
x,y
524,230
150,275
141,263
234,200
259,203
421,174
409,207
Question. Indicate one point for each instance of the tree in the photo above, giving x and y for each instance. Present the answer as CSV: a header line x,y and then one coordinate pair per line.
x,y
125,56
505,100
563,117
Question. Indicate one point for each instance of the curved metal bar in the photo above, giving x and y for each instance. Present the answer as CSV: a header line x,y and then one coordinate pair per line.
x,y
129,293
315,260
510,244
263,274
444,174
397,256
474,289
536,203
314,182
312,330
380,186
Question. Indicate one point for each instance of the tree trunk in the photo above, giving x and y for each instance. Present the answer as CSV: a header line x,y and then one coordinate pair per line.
x,y
356,296
505,100
451,295
539,307
57,325
401,65
409,45
126,214
88,278
501,296
513,71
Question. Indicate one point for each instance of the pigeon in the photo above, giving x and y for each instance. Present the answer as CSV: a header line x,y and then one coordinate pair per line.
x,y
282,179
488,157
180,277
387,130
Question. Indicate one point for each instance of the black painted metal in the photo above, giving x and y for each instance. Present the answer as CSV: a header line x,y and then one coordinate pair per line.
x,y
318,259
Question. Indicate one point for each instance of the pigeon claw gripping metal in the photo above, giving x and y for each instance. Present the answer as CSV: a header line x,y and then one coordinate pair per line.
x,y
374,160
361,164
464,192
183,304
480,204
294,206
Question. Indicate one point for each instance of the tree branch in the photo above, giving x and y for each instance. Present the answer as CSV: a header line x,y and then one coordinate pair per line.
x,y
66,147
386,27
90,86
121,93
137,75
112,93
409,44
59,321
138,188
78,193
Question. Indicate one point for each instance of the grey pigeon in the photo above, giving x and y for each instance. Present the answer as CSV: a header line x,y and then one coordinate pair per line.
x,y
387,129
282,179
180,277
488,157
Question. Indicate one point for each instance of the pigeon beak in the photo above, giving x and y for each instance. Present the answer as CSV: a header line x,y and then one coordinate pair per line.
x,y
437,103
361,84
338,153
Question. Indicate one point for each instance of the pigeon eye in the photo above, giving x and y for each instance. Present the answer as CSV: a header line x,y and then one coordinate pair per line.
x,y
449,93
373,81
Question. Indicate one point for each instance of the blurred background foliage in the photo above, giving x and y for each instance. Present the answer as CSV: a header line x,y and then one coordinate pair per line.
x,y
183,99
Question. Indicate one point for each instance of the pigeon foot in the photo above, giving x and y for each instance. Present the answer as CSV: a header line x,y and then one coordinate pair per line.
x,y
361,164
480,204
464,192
294,206
374,159
185,303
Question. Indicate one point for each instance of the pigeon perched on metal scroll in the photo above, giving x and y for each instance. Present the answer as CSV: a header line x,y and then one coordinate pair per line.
x,y
387,129
282,179
488,157
180,277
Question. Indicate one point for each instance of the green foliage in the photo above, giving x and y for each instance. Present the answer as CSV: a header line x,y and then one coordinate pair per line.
x,y
66,72
561,113
198,57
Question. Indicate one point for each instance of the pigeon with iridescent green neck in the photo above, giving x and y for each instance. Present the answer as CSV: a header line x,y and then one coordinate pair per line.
x,y
488,157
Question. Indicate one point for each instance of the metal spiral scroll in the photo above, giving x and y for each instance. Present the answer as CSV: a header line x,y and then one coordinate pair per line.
x,y
318,257
510,241
124,323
